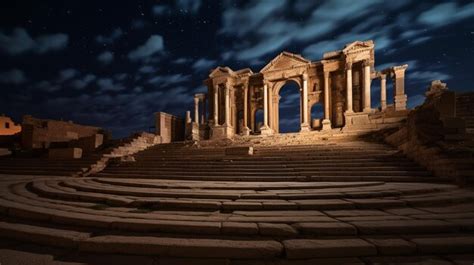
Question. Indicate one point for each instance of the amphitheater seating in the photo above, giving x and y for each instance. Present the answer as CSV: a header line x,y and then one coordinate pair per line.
x,y
330,202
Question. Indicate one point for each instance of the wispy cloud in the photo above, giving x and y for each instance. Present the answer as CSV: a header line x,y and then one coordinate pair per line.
x,y
153,45
20,41
14,77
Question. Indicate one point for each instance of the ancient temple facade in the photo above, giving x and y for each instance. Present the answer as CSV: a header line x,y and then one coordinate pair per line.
x,y
341,82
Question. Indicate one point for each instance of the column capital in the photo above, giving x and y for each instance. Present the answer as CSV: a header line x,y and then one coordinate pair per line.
x,y
366,63
305,76
326,74
383,76
196,100
348,65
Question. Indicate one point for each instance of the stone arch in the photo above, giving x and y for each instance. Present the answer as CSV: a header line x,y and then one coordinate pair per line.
x,y
275,90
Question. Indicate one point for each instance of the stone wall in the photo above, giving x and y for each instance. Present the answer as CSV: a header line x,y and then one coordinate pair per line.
x,y
40,133
8,127
436,138
169,127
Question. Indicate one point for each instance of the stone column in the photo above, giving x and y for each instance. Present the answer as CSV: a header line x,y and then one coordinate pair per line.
x,y
246,130
196,110
265,129
367,81
326,122
400,98
383,91
203,109
227,105
305,124
349,108
265,105
216,105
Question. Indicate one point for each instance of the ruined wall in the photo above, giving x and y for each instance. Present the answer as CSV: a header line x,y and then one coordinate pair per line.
x,y
8,127
40,133
169,127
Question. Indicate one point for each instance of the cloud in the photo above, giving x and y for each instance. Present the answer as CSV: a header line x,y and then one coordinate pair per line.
x,y
446,13
147,69
105,57
165,80
121,76
111,38
427,76
203,64
138,24
159,10
67,74
107,84
13,77
153,45
181,60
47,86
83,82
20,42
191,6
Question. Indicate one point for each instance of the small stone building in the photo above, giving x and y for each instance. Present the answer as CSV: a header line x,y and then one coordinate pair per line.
x,y
8,127
42,133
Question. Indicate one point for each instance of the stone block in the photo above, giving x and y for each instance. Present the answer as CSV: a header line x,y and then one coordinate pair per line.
x,y
65,153
393,246
326,229
183,247
268,229
445,245
239,151
237,228
327,248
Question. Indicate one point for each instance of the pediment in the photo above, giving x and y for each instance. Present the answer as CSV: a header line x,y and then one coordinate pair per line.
x,y
221,71
358,45
285,60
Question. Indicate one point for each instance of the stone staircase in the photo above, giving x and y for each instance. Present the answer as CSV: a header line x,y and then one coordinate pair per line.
x,y
75,167
335,201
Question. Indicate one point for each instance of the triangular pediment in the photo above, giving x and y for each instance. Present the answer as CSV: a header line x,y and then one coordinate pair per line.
x,y
285,60
358,45
221,71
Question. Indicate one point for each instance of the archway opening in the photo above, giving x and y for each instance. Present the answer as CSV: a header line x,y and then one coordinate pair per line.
x,y
317,115
258,120
289,108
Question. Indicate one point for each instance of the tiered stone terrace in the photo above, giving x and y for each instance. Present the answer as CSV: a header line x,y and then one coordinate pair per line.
x,y
344,201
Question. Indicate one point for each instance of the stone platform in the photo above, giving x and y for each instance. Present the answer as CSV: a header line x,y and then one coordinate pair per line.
x,y
345,202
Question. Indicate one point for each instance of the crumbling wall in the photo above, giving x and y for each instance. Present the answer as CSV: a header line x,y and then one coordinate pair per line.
x,y
434,137
169,127
41,133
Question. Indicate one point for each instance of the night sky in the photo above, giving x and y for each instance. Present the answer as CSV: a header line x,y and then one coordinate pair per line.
x,y
114,63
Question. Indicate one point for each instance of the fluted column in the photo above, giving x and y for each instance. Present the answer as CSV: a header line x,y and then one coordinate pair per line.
x,y
326,122
265,105
367,81
400,98
227,105
246,130
216,105
383,91
196,110
349,108
305,124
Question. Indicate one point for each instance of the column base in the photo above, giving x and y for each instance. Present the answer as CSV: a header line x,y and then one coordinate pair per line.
x,y
265,130
246,131
368,110
305,127
326,125
222,132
